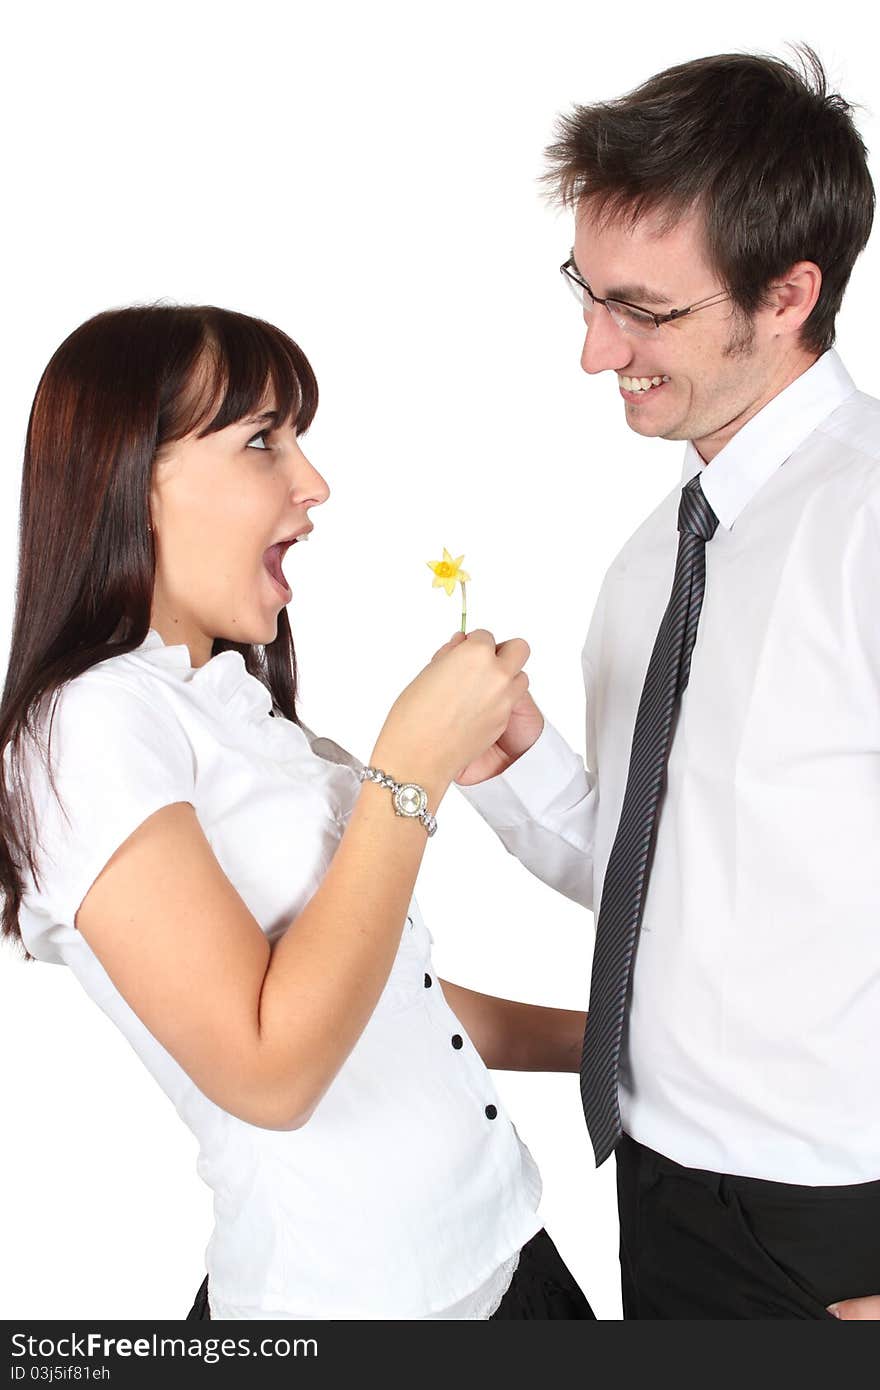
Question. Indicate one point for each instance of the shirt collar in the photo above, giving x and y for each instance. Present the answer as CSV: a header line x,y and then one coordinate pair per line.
x,y
225,674
175,656
763,444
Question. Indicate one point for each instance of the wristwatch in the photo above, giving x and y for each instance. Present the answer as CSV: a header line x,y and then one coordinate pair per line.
x,y
409,798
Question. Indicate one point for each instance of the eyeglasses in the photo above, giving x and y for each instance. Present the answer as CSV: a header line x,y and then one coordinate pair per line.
x,y
629,317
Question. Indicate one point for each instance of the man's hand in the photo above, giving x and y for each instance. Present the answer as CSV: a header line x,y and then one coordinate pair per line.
x,y
852,1309
525,724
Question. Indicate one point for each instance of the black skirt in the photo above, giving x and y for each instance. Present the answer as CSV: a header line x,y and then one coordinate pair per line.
x,y
542,1287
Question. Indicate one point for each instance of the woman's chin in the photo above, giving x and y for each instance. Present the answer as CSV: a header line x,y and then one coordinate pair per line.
x,y
269,629
256,630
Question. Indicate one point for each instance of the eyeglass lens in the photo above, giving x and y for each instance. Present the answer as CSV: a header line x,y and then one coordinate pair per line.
x,y
630,320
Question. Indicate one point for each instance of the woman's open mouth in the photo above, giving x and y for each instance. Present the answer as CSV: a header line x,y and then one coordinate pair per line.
x,y
272,564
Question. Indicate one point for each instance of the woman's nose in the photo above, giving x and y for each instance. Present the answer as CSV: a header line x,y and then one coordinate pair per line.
x,y
308,482
321,490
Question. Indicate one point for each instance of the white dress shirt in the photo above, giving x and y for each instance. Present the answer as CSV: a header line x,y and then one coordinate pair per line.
x,y
408,1193
753,1031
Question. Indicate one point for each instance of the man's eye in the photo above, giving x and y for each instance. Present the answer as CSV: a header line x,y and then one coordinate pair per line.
x,y
262,437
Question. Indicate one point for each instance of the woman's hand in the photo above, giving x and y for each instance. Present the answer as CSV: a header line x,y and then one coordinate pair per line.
x,y
457,706
524,726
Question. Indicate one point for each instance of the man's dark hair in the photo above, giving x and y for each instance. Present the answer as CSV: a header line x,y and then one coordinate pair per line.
x,y
773,162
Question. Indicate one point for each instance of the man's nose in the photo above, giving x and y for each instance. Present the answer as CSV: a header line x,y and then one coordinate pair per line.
x,y
606,346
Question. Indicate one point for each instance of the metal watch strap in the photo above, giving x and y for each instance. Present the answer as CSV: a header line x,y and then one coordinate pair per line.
x,y
409,798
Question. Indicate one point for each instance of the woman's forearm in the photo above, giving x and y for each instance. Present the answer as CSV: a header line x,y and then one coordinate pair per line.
x,y
327,971
512,1036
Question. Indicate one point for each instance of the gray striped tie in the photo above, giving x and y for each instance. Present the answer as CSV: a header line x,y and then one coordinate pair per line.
x,y
623,891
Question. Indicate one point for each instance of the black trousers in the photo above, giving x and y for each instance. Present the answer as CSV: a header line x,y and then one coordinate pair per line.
x,y
542,1287
695,1244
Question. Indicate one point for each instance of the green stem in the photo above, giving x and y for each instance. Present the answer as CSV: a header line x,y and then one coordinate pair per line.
x,y
463,605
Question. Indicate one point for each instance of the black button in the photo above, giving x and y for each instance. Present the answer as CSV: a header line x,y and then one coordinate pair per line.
x,y
428,982
409,919
491,1112
457,1040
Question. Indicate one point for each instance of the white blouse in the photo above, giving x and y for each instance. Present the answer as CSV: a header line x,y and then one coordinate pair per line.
x,y
408,1193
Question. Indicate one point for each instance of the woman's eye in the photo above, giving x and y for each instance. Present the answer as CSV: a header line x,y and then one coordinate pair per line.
x,y
262,437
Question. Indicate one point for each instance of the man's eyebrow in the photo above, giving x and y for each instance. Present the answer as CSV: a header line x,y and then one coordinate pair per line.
x,y
638,294
635,294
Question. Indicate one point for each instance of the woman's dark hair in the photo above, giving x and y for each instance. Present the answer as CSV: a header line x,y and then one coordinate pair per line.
x,y
774,164
120,387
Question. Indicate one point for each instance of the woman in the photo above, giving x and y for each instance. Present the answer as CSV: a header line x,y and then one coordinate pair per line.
x,y
228,887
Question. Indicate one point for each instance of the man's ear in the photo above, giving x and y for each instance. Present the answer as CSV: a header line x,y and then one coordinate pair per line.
x,y
792,296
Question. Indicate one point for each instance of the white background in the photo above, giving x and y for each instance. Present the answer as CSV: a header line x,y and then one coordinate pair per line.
x,y
364,176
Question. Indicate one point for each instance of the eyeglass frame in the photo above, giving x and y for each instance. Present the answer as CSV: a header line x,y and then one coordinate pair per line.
x,y
576,278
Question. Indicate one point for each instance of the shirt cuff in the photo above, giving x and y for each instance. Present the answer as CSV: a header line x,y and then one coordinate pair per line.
x,y
525,790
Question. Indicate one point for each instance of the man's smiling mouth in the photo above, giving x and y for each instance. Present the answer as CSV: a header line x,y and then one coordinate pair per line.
x,y
640,385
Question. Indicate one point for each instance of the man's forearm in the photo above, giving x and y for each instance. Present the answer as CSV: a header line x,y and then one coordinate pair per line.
x,y
512,1036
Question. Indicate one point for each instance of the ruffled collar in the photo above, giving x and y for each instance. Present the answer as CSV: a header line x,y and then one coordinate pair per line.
x,y
249,702
224,674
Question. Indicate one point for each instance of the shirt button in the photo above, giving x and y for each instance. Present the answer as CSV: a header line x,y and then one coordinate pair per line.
x,y
428,982
457,1040
491,1112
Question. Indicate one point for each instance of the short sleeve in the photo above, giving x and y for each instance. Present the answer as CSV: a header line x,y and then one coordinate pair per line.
x,y
118,756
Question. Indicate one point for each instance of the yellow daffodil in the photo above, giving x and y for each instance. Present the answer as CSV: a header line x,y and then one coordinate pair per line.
x,y
446,575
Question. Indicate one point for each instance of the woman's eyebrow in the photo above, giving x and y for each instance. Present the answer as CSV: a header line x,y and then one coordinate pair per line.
x,y
260,419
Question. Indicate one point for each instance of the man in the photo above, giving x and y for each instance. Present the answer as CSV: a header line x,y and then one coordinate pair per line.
x,y
732,675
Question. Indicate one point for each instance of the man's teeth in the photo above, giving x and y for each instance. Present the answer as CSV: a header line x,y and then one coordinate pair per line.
x,y
641,383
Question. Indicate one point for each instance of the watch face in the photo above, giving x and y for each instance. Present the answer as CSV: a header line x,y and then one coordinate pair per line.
x,y
410,799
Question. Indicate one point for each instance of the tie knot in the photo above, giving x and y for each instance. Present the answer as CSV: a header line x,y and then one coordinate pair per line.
x,y
694,513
